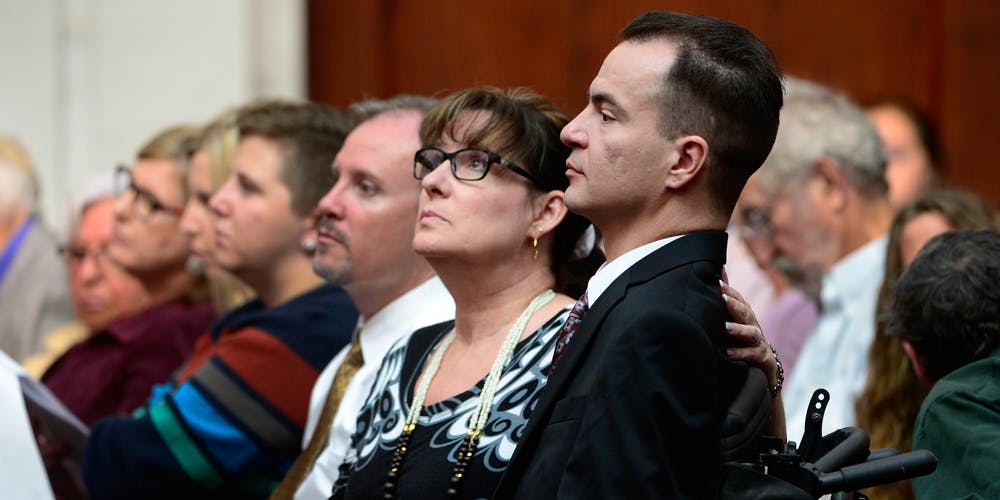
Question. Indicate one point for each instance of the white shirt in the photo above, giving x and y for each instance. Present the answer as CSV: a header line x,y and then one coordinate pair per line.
x,y
835,356
610,271
425,305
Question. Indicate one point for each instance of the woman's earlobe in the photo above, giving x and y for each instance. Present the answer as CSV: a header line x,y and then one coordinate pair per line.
x,y
552,210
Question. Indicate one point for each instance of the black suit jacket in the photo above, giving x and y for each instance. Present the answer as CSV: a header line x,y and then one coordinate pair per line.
x,y
635,405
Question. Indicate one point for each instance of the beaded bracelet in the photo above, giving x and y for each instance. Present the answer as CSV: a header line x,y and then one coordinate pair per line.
x,y
781,372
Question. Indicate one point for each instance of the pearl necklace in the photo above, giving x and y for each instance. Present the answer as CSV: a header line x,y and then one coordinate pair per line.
x,y
482,412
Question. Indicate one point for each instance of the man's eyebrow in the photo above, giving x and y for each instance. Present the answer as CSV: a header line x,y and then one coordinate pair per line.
x,y
605,98
357,174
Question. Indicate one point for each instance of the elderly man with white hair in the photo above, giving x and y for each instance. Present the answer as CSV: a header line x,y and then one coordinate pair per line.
x,y
829,214
34,292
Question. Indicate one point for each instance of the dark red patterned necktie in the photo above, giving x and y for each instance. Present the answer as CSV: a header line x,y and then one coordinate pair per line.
x,y
568,329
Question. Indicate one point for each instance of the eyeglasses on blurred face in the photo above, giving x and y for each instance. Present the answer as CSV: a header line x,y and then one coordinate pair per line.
x,y
76,254
755,222
144,203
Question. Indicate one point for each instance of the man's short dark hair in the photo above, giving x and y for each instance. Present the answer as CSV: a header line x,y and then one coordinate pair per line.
x,y
724,86
947,303
309,135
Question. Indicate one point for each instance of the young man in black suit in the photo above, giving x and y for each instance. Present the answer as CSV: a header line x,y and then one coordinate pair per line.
x,y
682,112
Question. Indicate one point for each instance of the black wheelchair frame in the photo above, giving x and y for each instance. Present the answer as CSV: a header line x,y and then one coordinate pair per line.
x,y
839,463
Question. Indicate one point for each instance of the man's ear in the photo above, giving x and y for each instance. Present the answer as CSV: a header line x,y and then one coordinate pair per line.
x,y
918,366
835,184
692,155
550,209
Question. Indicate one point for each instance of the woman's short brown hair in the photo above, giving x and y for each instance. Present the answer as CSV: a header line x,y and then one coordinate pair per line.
x,y
524,127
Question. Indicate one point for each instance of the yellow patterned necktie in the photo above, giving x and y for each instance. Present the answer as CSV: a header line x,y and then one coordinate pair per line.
x,y
304,463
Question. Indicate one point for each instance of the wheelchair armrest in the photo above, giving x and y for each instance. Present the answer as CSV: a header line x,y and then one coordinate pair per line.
x,y
746,418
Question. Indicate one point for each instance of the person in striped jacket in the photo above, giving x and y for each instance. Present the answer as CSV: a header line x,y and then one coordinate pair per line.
x,y
230,422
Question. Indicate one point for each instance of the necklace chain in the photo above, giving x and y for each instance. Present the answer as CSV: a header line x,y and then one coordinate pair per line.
x,y
482,412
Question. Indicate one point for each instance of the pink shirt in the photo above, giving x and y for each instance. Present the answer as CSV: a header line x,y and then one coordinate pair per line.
x,y
787,324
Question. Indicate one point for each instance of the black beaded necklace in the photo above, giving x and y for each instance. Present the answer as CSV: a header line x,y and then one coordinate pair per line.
x,y
482,412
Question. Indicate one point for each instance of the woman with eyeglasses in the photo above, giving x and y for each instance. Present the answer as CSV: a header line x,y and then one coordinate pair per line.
x,y
450,402
493,224
113,370
129,350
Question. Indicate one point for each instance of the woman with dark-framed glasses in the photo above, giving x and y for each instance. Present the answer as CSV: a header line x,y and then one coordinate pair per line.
x,y
450,402
113,371
147,243
493,224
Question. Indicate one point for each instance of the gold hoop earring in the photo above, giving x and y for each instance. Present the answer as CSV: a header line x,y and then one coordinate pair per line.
x,y
534,246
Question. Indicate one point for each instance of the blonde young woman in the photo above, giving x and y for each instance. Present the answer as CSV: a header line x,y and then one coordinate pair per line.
x,y
214,149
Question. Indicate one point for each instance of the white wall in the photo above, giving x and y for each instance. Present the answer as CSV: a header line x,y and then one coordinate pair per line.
x,y
83,83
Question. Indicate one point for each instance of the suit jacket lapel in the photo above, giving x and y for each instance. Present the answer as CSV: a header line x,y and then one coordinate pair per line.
x,y
576,351
705,245
709,245
562,376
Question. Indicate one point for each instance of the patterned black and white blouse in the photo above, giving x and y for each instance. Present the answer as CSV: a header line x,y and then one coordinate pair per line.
x,y
430,457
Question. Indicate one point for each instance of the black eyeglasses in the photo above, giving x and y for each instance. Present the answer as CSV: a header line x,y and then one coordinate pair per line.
x,y
144,203
756,222
469,164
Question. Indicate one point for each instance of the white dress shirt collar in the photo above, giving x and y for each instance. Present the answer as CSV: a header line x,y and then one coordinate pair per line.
x,y
845,279
409,312
425,305
610,271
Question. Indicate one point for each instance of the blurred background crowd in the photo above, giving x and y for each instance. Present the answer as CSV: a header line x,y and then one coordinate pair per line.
x,y
103,241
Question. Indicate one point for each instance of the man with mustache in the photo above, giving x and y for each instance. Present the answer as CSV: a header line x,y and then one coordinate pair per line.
x,y
365,235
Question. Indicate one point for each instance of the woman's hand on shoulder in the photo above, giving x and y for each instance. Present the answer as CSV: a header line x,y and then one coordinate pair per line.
x,y
749,344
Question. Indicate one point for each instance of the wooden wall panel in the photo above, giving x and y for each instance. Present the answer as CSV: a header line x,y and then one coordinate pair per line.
x,y
970,109
939,54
